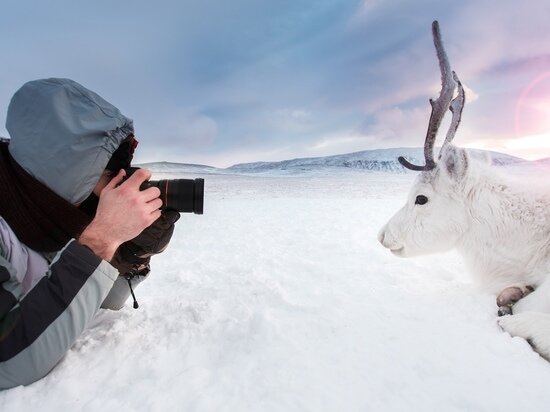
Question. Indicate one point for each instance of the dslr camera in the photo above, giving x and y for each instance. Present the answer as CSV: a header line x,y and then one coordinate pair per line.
x,y
181,195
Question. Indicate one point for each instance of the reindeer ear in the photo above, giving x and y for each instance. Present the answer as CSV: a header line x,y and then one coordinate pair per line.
x,y
454,161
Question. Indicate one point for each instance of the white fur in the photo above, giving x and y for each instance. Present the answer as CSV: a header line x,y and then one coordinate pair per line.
x,y
499,225
532,326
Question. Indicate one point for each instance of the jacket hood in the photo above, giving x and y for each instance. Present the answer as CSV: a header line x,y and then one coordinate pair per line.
x,y
64,135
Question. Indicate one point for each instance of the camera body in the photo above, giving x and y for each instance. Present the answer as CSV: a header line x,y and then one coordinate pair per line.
x,y
181,195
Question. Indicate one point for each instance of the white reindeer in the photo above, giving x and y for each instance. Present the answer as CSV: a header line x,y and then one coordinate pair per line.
x,y
499,226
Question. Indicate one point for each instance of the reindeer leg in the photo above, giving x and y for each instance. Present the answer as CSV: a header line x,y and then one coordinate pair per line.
x,y
509,297
531,319
538,301
533,327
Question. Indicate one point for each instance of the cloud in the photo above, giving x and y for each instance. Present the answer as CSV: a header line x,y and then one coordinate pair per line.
x,y
395,126
342,142
175,135
291,120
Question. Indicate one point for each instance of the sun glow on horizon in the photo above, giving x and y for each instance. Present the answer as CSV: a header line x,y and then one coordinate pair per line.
x,y
532,120
530,147
532,124
527,147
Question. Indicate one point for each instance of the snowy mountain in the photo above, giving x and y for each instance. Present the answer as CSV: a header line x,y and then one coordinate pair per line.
x,y
379,160
171,167
543,162
384,160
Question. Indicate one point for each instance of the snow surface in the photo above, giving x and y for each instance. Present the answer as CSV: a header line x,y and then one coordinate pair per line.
x,y
279,298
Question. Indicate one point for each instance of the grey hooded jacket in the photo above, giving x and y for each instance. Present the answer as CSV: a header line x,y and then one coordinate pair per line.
x,y
62,134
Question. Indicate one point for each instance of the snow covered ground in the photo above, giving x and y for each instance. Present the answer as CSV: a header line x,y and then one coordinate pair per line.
x,y
279,298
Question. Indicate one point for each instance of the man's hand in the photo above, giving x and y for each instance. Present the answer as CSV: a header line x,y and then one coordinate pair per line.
x,y
123,213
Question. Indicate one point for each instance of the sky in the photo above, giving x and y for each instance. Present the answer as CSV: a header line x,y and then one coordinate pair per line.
x,y
228,82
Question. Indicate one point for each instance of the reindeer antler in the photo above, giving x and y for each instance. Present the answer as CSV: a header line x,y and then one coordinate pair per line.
x,y
456,109
440,106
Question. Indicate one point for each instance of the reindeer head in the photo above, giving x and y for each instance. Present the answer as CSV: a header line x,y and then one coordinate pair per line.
x,y
434,217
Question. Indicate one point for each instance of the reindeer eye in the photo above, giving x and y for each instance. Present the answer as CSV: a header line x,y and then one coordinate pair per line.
x,y
421,200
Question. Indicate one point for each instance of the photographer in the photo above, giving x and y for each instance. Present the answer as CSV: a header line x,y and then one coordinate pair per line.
x,y
75,233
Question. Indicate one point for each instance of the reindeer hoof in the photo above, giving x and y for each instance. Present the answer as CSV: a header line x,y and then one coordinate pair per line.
x,y
504,310
509,296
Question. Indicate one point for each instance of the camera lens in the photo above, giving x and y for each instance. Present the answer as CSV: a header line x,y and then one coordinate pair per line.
x,y
182,195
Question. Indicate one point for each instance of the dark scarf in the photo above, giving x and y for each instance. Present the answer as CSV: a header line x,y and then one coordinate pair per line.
x,y
40,218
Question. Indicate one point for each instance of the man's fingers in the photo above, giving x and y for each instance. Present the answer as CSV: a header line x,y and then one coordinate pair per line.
x,y
155,215
115,181
151,193
155,204
137,178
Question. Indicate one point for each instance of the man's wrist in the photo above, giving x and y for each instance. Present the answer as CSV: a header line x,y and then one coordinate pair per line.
x,y
96,241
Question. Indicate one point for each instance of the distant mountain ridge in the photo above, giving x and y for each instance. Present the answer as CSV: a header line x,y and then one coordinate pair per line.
x,y
169,167
379,160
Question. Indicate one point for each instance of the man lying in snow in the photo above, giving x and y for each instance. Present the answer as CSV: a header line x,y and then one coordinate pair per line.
x,y
75,235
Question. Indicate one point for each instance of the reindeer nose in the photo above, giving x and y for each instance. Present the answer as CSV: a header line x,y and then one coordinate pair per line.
x,y
387,238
